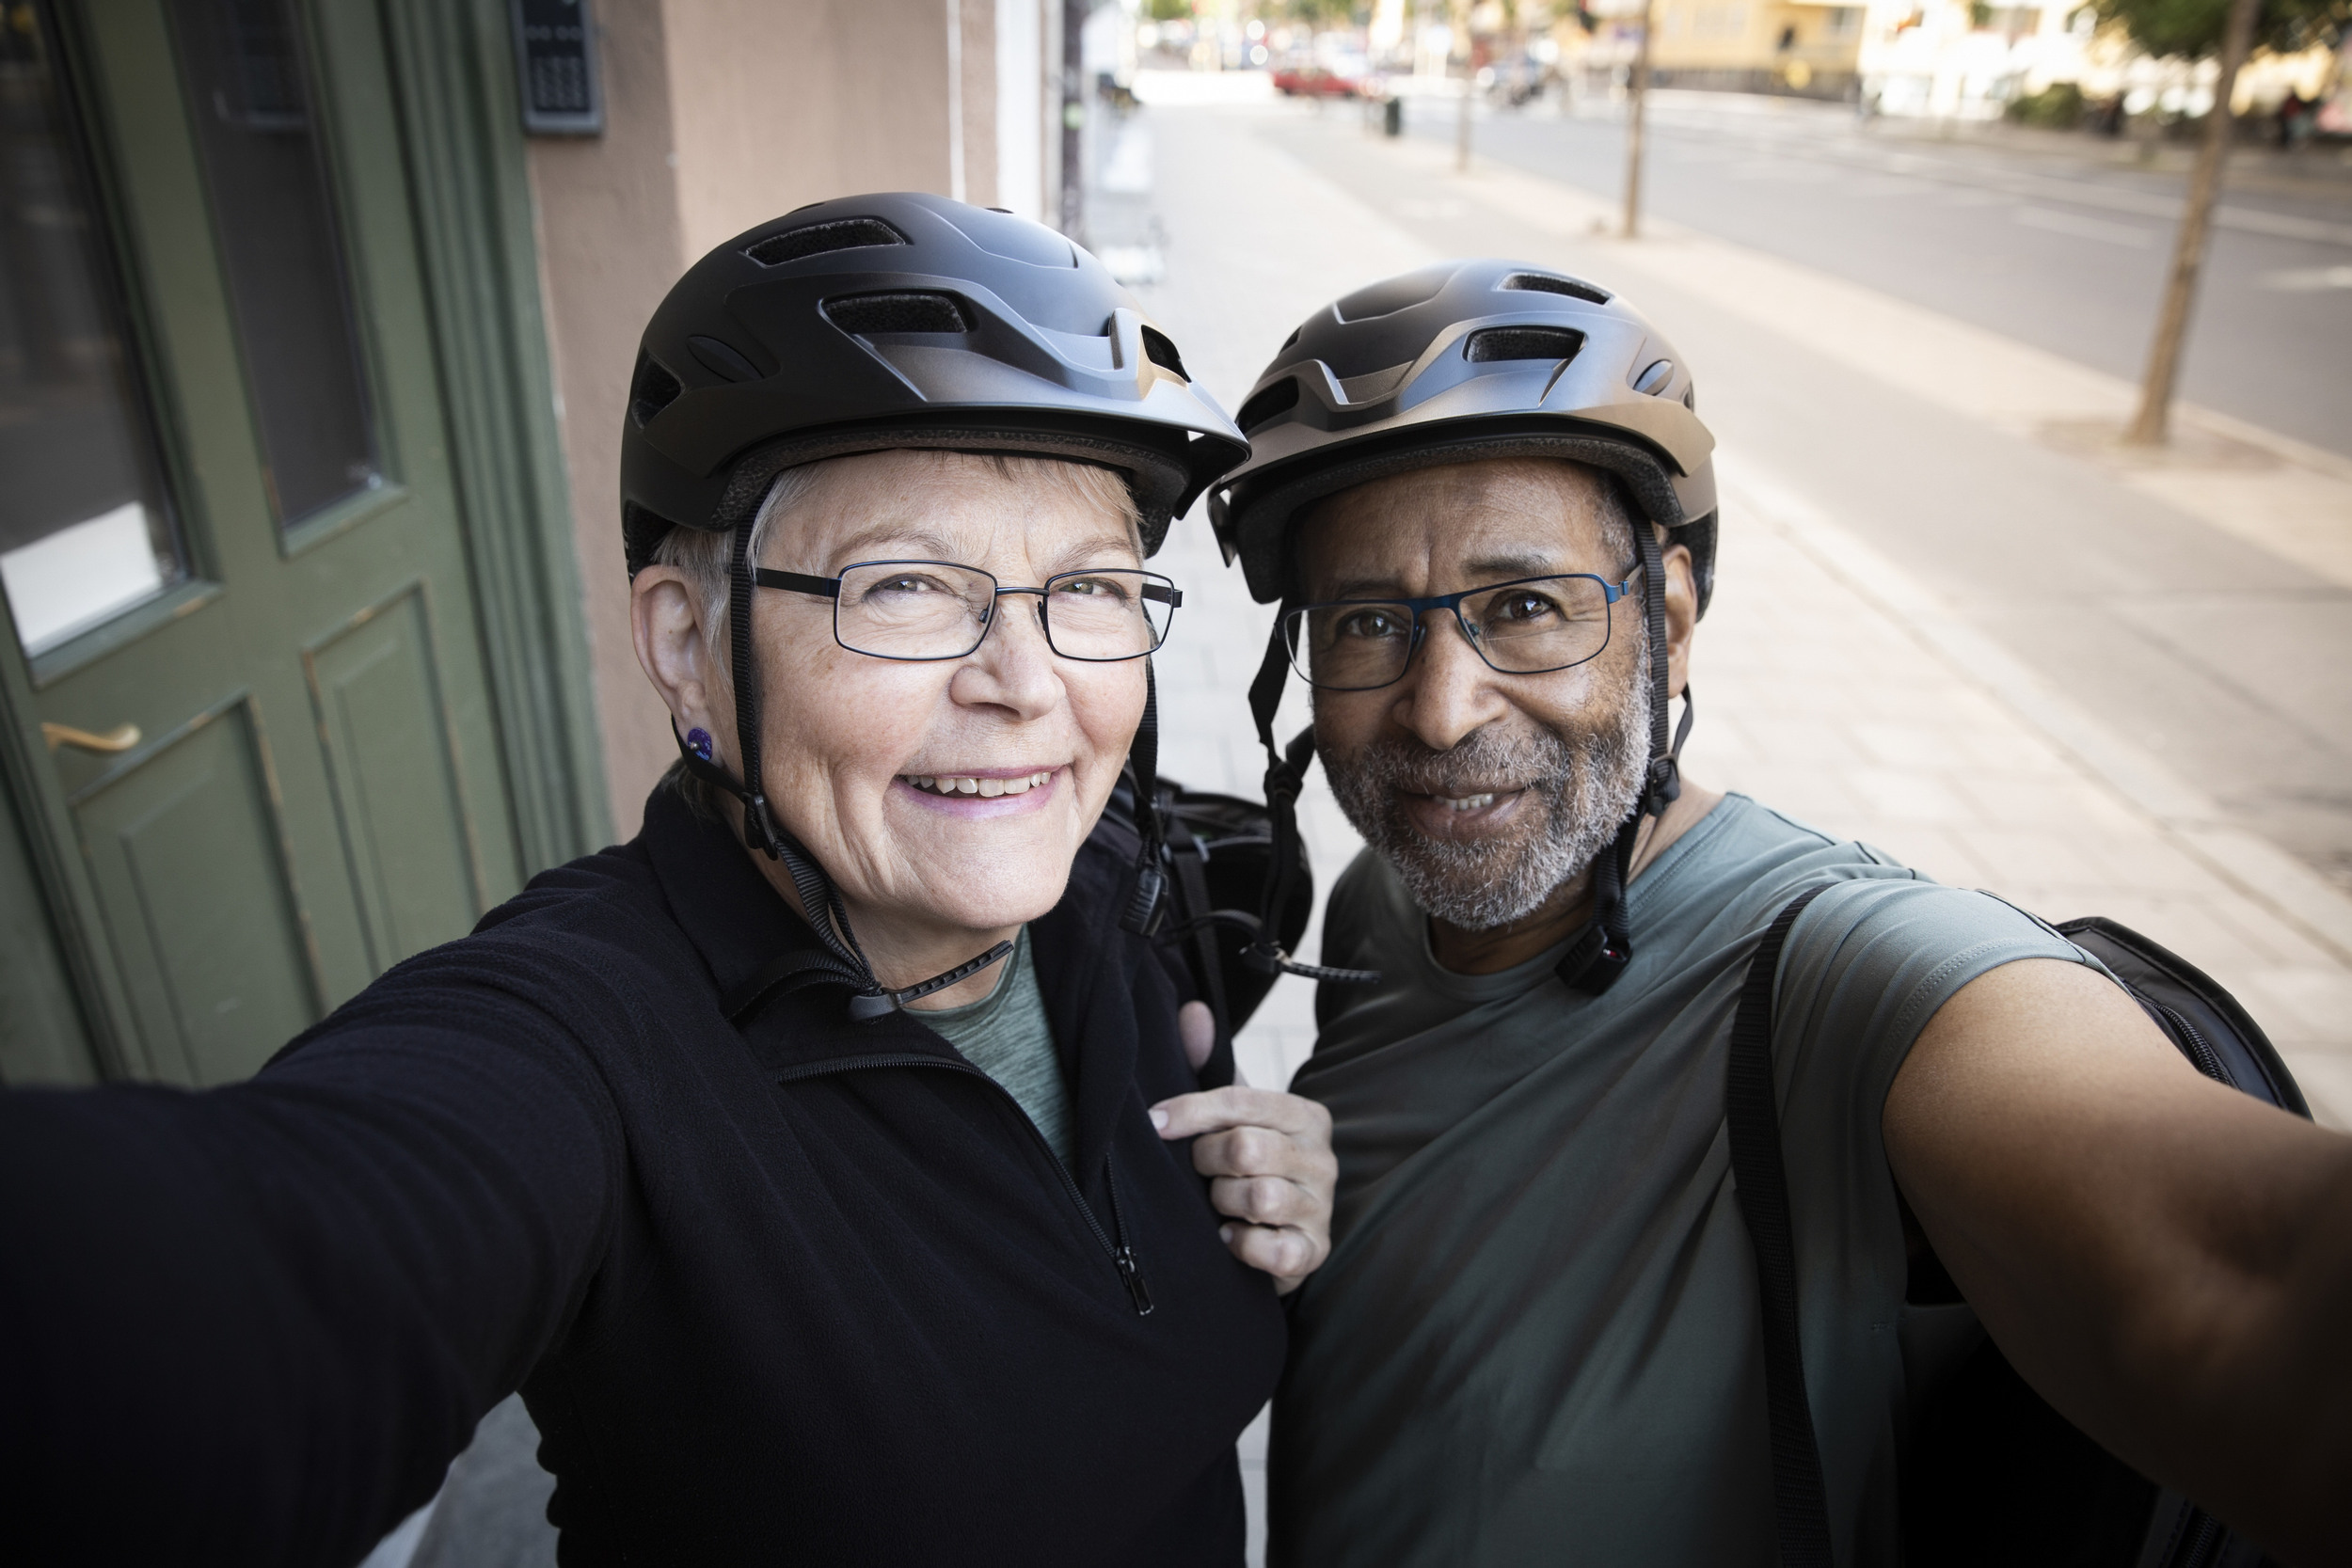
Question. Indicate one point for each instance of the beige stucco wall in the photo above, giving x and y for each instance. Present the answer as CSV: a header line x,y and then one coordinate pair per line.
x,y
718,114
784,102
606,214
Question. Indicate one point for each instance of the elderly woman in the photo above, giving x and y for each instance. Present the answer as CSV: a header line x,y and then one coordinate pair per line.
x,y
825,1165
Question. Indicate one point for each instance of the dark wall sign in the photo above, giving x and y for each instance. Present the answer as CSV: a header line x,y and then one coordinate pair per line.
x,y
555,53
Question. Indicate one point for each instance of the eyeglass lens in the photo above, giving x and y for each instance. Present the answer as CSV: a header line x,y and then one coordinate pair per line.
x,y
935,610
1519,629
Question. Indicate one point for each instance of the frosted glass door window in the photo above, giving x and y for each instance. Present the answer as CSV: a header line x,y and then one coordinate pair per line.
x,y
85,532
251,92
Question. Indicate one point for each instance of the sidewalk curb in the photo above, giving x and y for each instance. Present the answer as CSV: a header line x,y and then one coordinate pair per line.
x,y
2181,812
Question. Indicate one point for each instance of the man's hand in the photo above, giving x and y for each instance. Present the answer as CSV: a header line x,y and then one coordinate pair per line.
x,y
1268,1157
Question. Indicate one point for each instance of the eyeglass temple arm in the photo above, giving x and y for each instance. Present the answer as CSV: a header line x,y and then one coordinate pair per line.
x,y
797,582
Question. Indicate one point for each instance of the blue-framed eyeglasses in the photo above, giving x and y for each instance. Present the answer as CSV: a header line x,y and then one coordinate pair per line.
x,y
939,609
1526,627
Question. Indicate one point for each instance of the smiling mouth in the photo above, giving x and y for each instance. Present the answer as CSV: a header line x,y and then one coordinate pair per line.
x,y
951,784
1466,802
1478,802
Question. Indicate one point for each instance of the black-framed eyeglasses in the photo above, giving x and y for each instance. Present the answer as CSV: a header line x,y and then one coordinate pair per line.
x,y
938,610
1526,627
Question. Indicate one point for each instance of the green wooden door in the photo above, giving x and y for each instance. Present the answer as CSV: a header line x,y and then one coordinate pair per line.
x,y
236,578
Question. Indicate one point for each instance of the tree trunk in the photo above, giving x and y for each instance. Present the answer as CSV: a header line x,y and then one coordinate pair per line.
x,y
2151,425
1639,96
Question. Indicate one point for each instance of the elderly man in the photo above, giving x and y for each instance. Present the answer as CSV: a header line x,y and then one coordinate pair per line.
x,y
1483,498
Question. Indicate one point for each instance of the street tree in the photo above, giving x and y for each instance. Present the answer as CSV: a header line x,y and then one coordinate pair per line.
x,y
2193,29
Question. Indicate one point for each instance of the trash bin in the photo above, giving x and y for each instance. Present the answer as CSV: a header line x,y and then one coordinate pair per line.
x,y
1392,117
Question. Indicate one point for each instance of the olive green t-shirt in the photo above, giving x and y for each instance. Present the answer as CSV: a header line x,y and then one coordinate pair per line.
x,y
1536,1338
1005,1035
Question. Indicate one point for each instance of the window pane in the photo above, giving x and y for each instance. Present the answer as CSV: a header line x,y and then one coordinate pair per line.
x,y
84,529
249,90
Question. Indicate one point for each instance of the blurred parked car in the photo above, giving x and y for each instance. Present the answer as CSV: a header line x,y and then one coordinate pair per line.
x,y
1304,75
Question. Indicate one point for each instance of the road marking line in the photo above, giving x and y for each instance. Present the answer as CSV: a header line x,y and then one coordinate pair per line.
x,y
2050,220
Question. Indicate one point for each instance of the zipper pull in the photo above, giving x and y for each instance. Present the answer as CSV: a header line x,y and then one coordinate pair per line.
x,y
1128,1271
1123,1255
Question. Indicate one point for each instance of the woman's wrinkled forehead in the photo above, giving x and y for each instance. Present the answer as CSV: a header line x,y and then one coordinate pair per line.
x,y
985,510
1454,525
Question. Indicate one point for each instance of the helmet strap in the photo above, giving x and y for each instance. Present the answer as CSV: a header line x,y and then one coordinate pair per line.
x,y
1602,950
1285,776
1662,783
1145,905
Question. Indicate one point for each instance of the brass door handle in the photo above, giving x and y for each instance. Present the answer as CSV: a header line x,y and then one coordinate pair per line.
x,y
120,738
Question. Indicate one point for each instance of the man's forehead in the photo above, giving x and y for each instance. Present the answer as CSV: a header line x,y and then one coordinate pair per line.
x,y
1504,516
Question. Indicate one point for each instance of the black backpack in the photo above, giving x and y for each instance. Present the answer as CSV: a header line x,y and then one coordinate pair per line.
x,y
1217,852
1993,1474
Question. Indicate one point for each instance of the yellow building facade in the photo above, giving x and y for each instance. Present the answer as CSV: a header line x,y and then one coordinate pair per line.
x,y
1758,46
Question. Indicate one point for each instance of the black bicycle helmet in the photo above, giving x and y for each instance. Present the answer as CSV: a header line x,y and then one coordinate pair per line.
x,y
902,320
1451,363
886,322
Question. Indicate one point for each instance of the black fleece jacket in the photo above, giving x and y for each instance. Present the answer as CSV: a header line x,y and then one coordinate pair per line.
x,y
784,1289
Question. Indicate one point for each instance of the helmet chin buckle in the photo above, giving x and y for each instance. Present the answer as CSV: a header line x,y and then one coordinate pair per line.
x,y
1663,786
1145,908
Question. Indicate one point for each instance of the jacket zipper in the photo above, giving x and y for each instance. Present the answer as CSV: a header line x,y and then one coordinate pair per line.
x,y
1125,1254
1122,1253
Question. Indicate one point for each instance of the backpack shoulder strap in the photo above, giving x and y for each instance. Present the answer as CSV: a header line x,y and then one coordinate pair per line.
x,y
1800,1500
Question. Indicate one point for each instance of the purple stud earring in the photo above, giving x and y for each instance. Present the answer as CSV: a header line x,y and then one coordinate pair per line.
x,y
698,742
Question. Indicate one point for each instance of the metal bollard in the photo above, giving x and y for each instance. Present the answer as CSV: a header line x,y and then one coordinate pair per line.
x,y
1392,117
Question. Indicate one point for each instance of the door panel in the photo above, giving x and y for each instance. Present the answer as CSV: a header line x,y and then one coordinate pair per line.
x,y
247,162
186,851
403,811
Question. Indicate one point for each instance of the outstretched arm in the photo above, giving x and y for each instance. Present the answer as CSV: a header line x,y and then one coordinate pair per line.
x,y
253,1326
2169,1261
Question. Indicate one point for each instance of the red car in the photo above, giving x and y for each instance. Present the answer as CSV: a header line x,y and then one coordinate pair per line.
x,y
1303,76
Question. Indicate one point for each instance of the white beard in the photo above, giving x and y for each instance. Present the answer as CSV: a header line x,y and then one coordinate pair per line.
x,y
1583,786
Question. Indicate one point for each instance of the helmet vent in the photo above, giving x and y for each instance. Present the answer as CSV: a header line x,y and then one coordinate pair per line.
x,y
651,390
869,314
1653,381
1162,352
797,245
1277,399
1522,342
1544,282
1292,338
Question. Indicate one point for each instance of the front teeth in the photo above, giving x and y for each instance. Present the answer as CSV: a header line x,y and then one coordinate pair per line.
x,y
1466,802
945,784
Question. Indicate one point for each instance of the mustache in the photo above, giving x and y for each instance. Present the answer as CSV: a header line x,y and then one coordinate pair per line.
x,y
1482,761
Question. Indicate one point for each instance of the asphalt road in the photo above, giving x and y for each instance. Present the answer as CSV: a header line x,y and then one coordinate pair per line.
x,y
2059,242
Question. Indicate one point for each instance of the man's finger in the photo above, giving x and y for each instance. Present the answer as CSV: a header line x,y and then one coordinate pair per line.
x,y
1266,1200
1248,1151
1189,1115
1288,1254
